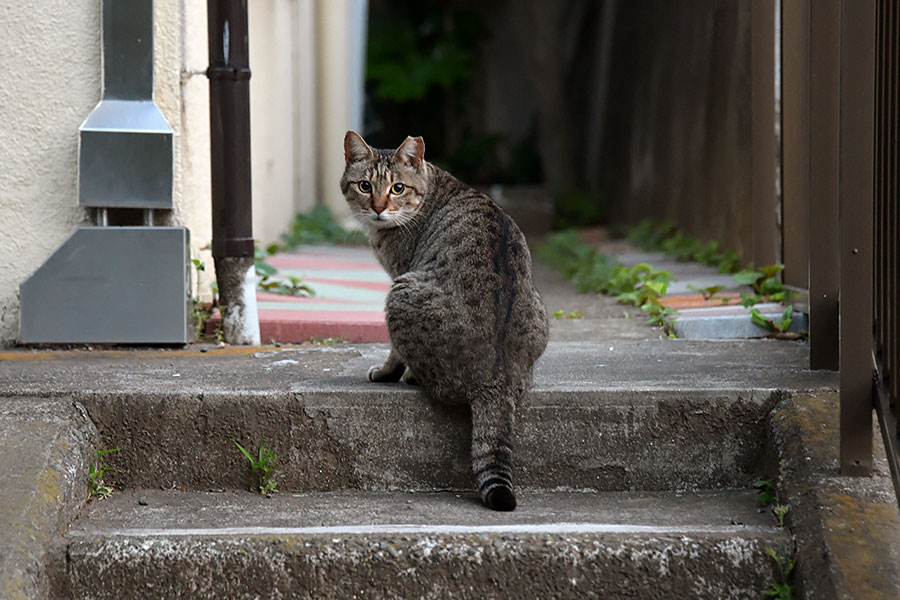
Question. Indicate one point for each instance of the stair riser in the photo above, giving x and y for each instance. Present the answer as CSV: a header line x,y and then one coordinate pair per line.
x,y
423,566
397,440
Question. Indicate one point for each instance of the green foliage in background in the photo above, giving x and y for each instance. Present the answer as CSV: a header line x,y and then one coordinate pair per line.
x,y
590,271
316,227
665,237
416,53
578,209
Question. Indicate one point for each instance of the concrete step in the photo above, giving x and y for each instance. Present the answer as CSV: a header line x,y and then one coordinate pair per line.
x,y
350,434
173,544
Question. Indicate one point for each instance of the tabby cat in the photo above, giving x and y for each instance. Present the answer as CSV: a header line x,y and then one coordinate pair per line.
x,y
464,319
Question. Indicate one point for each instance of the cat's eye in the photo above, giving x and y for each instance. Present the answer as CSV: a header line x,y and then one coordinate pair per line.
x,y
364,186
397,189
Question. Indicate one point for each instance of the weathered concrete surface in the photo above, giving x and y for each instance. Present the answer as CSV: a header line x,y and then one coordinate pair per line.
x,y
43,465
394,439
610,416
419,545
630,365
847,529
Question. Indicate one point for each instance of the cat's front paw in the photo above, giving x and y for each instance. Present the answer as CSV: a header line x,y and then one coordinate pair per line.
x,y
386,374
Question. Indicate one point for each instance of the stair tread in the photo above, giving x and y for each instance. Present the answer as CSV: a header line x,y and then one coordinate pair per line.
x,y
238,513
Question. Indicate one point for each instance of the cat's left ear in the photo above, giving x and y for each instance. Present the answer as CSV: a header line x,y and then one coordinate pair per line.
x,y
411,151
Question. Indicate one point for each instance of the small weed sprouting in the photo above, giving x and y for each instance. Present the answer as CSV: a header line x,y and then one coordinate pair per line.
x,y
271,281
665,237
708,293
98,488
590,271
262,468
561,314
776,326
326,341
766,493
780,511
765,283
781,590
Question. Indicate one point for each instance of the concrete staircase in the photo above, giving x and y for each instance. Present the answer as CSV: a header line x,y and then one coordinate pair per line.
x,y
634,463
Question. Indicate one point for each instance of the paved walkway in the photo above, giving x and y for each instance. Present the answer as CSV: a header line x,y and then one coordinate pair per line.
x,y
350,289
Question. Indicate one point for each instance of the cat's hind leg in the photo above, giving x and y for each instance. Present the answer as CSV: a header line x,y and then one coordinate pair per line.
x,y
390,372
492,450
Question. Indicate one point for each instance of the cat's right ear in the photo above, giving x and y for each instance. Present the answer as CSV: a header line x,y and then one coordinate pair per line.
x,y
356,148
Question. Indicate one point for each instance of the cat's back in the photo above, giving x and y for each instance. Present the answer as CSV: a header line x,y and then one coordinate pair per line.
x,y
476,252
471,235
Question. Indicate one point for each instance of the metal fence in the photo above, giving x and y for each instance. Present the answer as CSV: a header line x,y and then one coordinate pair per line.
x,y
887,227
841,159
801,169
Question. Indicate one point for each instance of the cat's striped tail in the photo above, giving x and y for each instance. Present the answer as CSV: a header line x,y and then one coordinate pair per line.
x,y
492,451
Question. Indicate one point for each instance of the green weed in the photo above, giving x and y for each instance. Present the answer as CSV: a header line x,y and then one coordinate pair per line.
x,y
317,227
262,468
775,325
326,341
665,237
97,487
780,511
561,314
592,272
764,281
708,293
783,589
269,279
766,489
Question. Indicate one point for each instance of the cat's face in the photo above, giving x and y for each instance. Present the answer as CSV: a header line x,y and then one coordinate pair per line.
x,y
384,188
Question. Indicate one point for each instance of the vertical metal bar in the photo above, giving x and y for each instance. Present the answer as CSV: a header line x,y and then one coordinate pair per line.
x,y
795,140
891,200
824,111
147,215
763,153
102,217
229,113
856,194
893,230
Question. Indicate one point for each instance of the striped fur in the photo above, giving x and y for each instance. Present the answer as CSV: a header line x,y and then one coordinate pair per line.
x,y
464,318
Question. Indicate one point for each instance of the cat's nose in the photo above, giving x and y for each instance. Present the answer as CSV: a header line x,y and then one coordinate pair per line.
x,y
379,207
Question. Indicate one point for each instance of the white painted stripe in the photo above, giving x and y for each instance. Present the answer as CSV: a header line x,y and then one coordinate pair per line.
x,y
543,528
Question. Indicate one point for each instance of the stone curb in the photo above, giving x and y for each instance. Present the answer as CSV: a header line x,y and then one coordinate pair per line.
x,y
42,486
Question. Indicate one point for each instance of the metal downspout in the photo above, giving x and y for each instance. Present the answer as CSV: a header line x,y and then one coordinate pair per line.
x,y
229,117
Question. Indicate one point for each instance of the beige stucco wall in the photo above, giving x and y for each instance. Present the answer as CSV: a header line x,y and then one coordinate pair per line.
x,y
49,83
305,92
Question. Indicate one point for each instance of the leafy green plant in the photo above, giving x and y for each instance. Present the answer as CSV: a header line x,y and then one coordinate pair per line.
x,y
780,511
561,314
262,468
783,589
316,227
708,293
665,237
271,281
766,488
97,486
590,271
778,326
764,281
326,341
